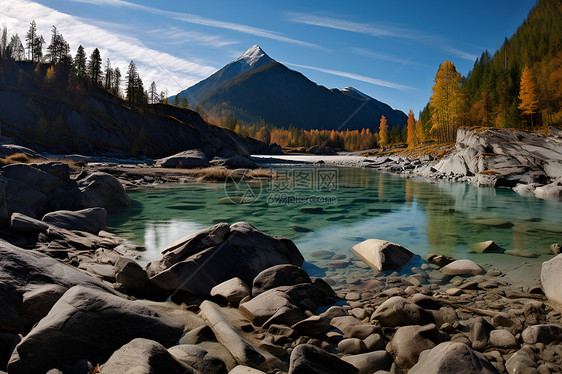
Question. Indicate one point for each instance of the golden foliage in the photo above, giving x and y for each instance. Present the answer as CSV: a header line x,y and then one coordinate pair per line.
x,y
412,141
447,102
528,94
383,131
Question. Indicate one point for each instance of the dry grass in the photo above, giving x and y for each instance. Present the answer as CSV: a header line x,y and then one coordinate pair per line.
x,y
489,172
218,173
434,149
22,158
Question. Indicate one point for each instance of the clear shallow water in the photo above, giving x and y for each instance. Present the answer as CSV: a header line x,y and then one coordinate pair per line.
x,y
341,207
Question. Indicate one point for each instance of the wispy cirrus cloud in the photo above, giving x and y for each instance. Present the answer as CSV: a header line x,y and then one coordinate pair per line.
x,y
379,31
204,21
358,77
381,56
168,71
176,35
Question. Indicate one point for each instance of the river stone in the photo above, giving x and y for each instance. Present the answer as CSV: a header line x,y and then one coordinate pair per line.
x,y
549,191
551,273
368,363
351,327
521,362
279,275
144,356
546,334
409,341
242,369
502,339
234,162
198,358
21,223
190,245
308,359
232,291
382,255
263,307
131,275
480,333
463,267
555,248
91,220
103,190
484,247
352,346
228,335
87,323
452,358
244,253
189,159
31,283
398,311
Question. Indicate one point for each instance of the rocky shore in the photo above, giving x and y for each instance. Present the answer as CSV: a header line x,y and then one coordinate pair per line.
x,y
232,299
529,163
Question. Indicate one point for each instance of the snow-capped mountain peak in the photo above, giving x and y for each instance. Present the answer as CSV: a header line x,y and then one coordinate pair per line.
x,y
355,92
253,55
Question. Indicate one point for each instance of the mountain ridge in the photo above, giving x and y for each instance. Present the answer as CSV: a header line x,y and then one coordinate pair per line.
x,y
240,89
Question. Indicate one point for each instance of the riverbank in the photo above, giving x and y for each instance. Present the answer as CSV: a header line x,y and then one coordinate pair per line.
x,y
240,298
529,163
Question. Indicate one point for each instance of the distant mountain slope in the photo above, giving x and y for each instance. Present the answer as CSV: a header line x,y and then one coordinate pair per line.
x,y
62,116
253,58
265,90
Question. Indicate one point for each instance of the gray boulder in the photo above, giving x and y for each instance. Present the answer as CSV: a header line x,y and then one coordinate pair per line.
x,y
463,267
234,162
382,255
550,191
244,253
542,334
22,223
91,220
144,356
351,327
452,358
91,324
308,359
279,275
130,275
551,271
102,190
398,311
410,341
190,245
198,358
31,283
272,303
190,159
368,363
522,361
230,337
232,291
480,333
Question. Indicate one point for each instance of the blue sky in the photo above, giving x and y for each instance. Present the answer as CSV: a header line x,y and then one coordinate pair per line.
x,y
388,50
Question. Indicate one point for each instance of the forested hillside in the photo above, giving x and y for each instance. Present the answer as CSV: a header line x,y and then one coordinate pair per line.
x,y
519,86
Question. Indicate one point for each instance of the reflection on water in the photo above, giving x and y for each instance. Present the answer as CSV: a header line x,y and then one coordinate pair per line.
x,y
425,217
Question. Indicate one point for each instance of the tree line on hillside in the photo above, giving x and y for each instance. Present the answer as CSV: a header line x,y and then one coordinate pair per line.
x,y
79,69
519,87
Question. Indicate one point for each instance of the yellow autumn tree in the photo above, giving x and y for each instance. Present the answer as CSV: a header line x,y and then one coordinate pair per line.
x,y
383,131
528,94
411,129
447,102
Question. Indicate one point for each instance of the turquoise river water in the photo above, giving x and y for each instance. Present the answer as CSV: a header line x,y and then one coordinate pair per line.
x,y
335,208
